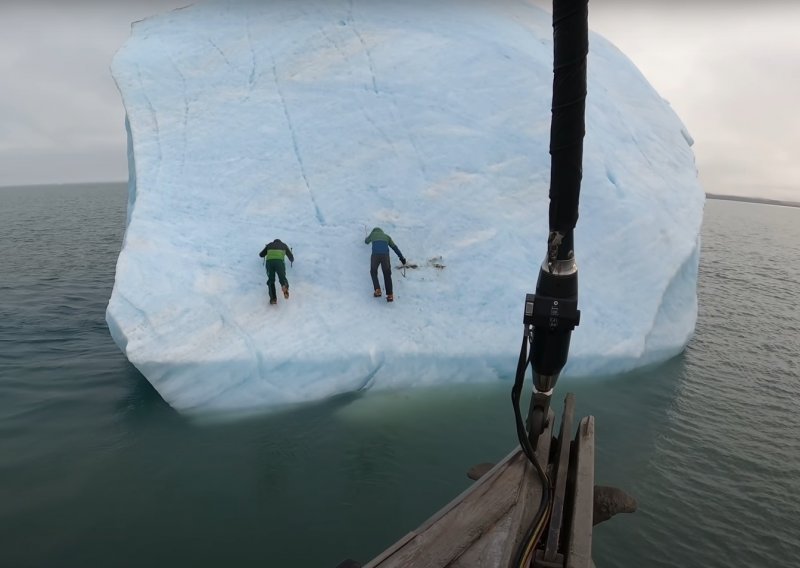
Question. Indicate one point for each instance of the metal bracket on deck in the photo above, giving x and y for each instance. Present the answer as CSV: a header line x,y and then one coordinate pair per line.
x,y
576,508
568,540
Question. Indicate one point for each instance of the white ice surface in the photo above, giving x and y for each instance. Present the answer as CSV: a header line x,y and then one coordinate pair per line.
x,y
309,121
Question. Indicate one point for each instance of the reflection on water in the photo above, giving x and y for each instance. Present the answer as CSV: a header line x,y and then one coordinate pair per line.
x,y
96,470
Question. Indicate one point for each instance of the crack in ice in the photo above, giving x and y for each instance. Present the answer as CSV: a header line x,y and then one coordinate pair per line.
x,y
295,146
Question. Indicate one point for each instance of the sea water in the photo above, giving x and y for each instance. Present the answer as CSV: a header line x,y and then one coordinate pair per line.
x,y
96,470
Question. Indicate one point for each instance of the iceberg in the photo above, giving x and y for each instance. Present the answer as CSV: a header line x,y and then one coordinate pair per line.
x,y
313,122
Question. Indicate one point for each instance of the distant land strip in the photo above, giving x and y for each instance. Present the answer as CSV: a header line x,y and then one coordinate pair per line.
x,y
67,184
124,182
753,200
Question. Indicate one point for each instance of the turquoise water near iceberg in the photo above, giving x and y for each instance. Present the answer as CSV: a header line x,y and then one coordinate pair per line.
x,y
96,470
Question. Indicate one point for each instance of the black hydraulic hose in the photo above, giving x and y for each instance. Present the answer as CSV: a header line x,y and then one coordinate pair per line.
x,y
567,129
540,518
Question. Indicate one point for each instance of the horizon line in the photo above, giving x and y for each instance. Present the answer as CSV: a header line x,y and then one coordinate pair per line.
x,y
708,194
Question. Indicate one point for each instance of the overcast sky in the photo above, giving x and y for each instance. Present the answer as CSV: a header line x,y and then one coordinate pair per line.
x,y
730,69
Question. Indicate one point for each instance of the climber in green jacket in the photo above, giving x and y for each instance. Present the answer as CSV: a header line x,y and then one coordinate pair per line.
x,y
381,242
275,253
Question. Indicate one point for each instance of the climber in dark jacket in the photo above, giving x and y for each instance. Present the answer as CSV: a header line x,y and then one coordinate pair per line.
x,y
275,252
380,257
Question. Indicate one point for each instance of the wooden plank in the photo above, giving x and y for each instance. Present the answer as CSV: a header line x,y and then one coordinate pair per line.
x,y
560,481
480,527
526,509
439,543
491,546
499,545
579,551
486,550
487,478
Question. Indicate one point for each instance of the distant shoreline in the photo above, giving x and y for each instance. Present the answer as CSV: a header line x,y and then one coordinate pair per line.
x,y
753,200
720,196
66,184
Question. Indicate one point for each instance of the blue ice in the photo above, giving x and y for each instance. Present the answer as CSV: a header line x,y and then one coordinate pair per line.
x,y
315,121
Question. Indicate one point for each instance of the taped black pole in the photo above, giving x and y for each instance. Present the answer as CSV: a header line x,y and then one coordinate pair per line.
x,y
567,128
552,312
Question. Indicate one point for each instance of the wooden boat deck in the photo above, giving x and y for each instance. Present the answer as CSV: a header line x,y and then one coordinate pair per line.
x,y
484,526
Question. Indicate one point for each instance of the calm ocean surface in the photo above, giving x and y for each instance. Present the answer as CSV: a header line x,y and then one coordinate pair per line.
x,y
96,470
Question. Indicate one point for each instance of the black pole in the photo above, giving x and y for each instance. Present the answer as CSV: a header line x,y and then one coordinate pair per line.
x,y
570,48
552,312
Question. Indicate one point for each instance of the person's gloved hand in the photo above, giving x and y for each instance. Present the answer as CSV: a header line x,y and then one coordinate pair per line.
x,y
403,261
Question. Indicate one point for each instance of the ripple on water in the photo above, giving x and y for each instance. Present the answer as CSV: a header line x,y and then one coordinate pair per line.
x,y
709,443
